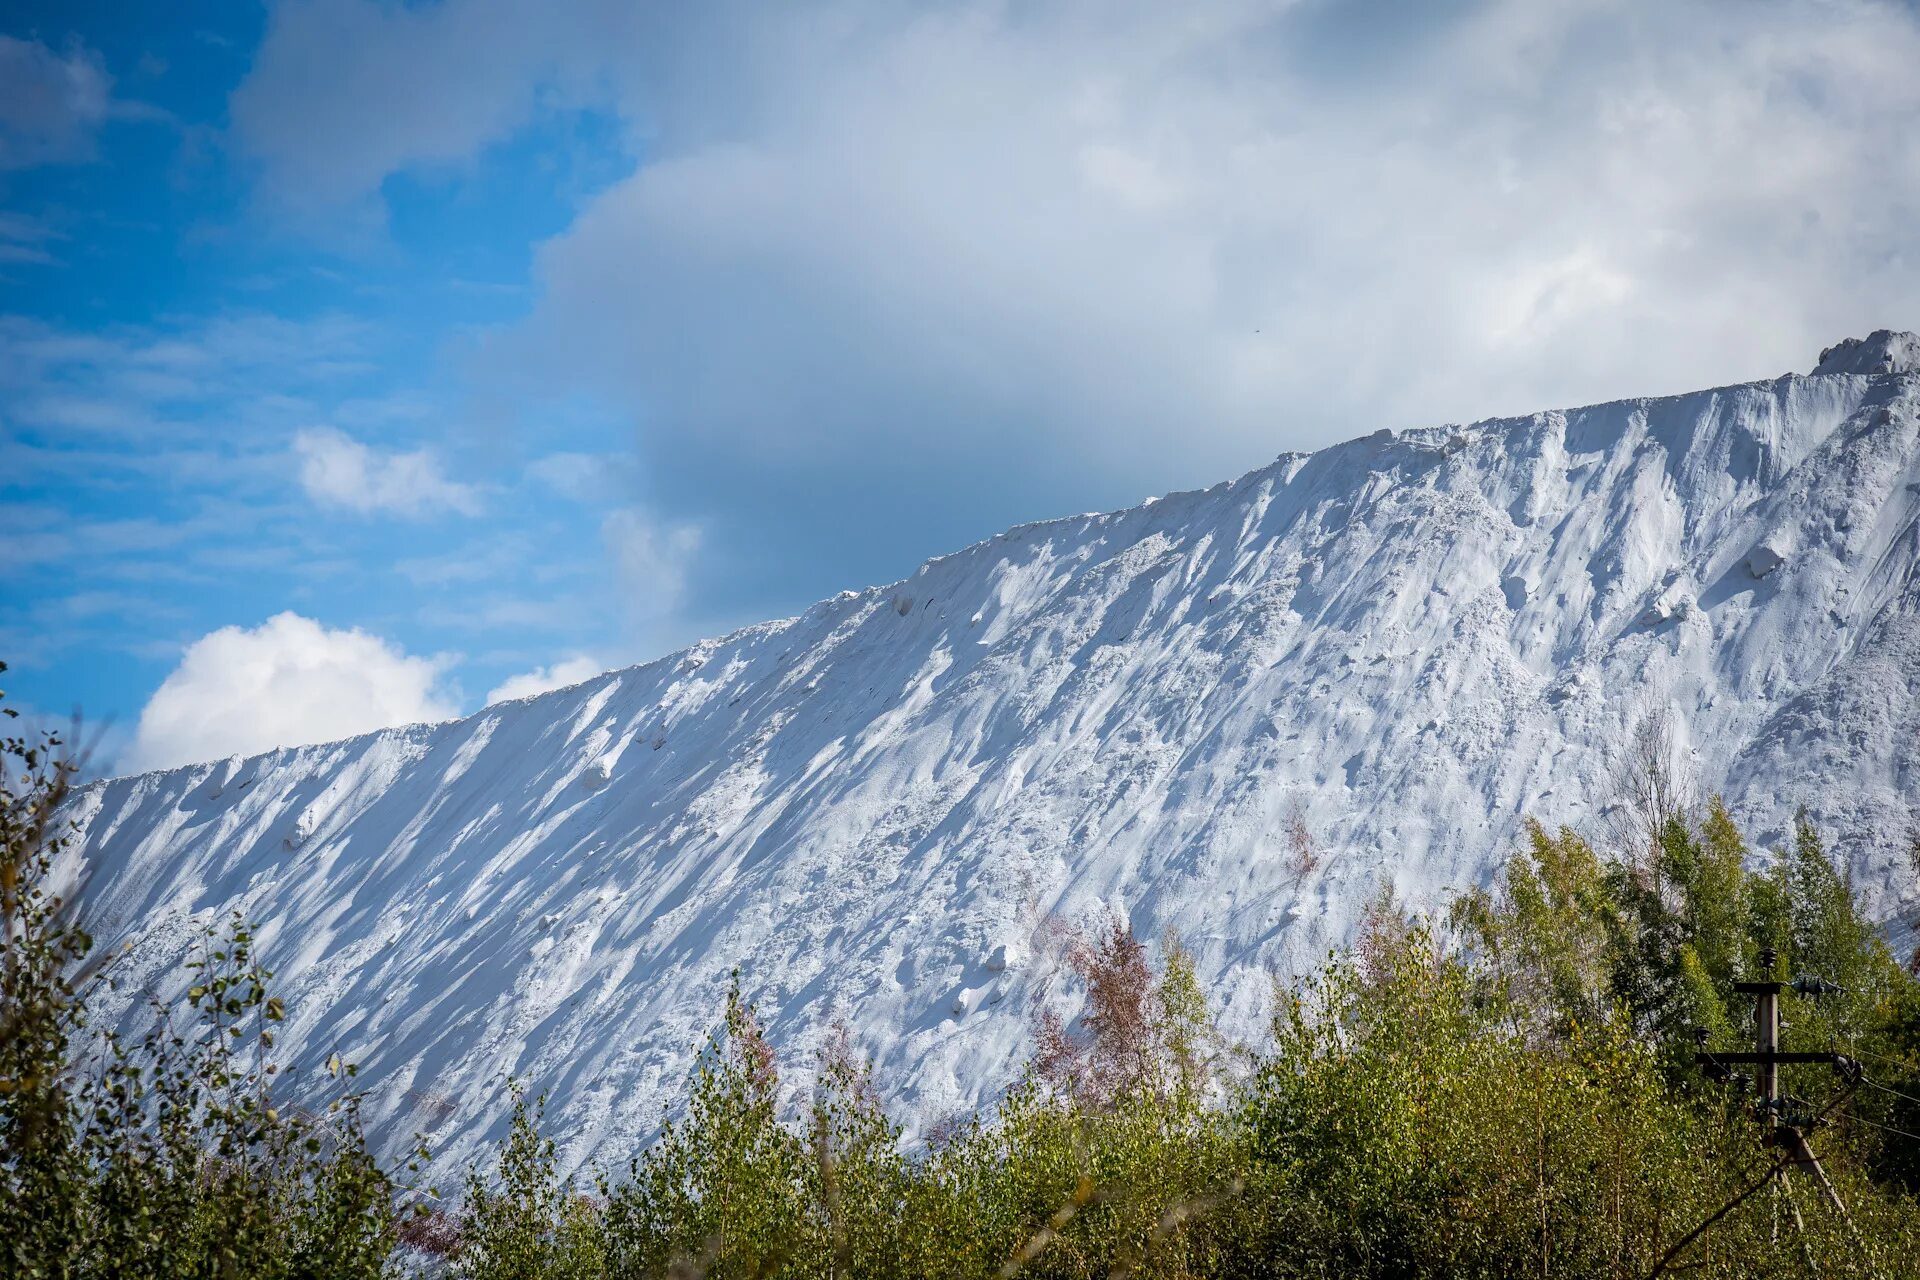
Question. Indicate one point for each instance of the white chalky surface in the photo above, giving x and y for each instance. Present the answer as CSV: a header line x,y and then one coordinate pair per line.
x,y
1410,642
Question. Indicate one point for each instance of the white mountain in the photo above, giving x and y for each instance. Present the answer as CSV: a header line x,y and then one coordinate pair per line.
x,y
1384,655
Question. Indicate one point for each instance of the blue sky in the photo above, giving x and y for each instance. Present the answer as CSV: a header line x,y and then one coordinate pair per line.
x,y
359,360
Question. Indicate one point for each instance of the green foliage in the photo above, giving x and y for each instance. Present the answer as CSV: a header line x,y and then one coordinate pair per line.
x,y
40,1012
1515,1096
1411,1124
855,1182
720,1192
1523,1103
1656,944
1406,1126
1554,936
1046,1188
526,1221
166,1157
1182,1026
730,1190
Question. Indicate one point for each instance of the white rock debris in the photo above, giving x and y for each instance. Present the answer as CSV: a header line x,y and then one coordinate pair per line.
x,y
1763,560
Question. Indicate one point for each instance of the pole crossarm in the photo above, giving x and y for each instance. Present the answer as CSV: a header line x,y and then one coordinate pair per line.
x,y
1785,1118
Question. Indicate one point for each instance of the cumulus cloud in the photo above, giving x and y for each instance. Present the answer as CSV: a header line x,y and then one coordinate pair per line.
x,y
337,470
541,679
51,104
288,682
877,262
1144,238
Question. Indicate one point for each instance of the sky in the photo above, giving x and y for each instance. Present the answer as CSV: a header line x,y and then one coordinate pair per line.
x,y
365,362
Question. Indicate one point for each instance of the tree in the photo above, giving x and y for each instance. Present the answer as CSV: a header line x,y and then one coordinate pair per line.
x,y
1140,1033
718,1192
167,1155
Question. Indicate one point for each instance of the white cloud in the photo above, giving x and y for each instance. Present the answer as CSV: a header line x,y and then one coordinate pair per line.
x,y
247,369
582,477
337,470
1140,244
1153,242
650,558
24,239
51,104
541,679
319,107
288,682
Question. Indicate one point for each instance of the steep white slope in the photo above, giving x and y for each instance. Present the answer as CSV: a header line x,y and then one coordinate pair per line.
x,y
1398,646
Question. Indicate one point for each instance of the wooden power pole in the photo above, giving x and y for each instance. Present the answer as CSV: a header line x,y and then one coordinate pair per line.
x,y
1766,1060
1785,1118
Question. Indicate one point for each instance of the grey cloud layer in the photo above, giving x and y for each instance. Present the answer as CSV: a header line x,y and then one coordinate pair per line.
x,y
875,261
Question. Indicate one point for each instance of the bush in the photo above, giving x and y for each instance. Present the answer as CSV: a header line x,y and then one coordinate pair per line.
x,y
166,1157
1409,1125
1514,1095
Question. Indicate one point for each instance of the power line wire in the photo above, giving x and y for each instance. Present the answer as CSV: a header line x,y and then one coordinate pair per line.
x,y
1881,1057
1725,1209
1899,1133
1775,1170
1874,1084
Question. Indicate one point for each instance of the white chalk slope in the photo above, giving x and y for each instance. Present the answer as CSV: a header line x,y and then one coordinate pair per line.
x,y
1406,642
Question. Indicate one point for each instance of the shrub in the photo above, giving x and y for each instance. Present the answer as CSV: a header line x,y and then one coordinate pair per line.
x,y
526,1221
1514,1096
167,1156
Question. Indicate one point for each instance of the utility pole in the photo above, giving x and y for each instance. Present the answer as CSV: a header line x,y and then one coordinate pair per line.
x,y
1766,1036
1766,1043
1783,1117
1767,1059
